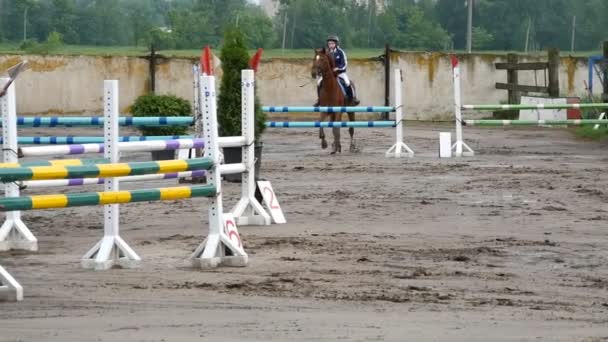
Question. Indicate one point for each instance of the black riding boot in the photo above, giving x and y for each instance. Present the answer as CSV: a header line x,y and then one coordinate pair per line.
x,y
350,93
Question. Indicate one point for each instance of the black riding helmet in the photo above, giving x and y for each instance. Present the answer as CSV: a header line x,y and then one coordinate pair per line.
x,y
333,38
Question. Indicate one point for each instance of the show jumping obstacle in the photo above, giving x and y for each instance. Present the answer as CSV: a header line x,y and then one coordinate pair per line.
x,y
222,245
399,149
460,148
533,122
98,121
91,140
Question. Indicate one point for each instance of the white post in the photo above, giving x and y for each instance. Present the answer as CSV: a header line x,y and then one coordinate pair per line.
x,y
399,146
459,145
218,248
14,234
112,249
248,206
601,117
10,290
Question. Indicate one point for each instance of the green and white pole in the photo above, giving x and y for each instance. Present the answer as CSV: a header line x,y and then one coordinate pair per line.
x,y
540,106
580,122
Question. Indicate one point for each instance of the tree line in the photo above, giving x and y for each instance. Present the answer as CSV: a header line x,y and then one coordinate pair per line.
x,y
407,24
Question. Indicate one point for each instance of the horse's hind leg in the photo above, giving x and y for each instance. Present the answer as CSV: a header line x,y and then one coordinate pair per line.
x,y
321,132
351,132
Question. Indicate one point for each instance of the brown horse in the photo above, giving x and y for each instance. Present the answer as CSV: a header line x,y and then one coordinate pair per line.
x,y
330,95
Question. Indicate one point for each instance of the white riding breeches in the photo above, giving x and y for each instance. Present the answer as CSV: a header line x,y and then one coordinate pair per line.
x,y
343,76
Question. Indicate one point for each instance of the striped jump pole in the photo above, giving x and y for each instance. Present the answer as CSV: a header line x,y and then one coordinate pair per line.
x,y
541,106
225,169
59,162
92,121
102,170
326,124
135,146
104,198
128,179
460,148
533,122
335,109
68,140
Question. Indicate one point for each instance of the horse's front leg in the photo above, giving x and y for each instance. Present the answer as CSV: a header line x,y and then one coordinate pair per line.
x,y
321,132
337,147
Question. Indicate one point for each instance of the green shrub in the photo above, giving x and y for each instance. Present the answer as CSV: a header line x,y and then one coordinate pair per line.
x,y
161,105
234,57
587,132
53,43
28,44
162,40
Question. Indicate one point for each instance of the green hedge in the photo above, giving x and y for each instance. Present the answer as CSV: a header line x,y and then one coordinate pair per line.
x,y
235,57
162,105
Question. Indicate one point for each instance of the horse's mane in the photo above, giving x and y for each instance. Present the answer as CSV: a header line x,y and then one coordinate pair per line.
x,y
330,60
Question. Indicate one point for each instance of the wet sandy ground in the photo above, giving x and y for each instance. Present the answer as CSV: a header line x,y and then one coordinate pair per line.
x,y
508,245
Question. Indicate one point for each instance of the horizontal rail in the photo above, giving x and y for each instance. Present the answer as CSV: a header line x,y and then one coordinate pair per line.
x,y
305,109
534,106
91,121
102,198
533,122
58,162
103,170
312,124
127,179
522,66
62,140
520,87
135,146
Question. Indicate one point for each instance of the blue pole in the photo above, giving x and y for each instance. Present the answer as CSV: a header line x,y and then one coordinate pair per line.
x,y
55,121
312,124
300,109
90,140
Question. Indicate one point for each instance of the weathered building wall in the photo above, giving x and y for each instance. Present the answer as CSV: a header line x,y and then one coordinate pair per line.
x,y
73,84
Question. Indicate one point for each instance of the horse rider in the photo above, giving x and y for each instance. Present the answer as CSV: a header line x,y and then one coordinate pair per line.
x,y
340,61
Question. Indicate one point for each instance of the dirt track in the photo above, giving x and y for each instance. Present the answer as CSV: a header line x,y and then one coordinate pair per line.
x,y
507,245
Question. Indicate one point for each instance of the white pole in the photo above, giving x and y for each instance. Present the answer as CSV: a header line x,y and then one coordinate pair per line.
x,y
218,248
573,33
112,249
459,145
10,289
14,234
247,207
25,24
470,26
528,35
396,151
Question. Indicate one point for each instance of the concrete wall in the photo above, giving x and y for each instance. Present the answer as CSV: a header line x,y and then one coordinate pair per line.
x,y
73,85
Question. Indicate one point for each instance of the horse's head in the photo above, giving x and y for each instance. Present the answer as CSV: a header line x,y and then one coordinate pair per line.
x,y
320,63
